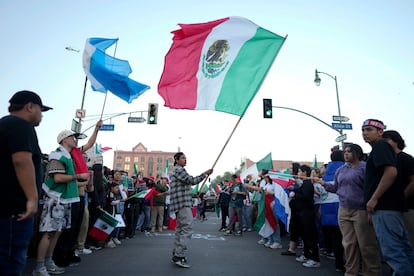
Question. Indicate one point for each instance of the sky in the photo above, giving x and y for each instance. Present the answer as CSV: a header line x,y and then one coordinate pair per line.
x,y
368,45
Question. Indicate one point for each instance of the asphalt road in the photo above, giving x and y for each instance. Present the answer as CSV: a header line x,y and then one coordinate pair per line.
x,y
210,253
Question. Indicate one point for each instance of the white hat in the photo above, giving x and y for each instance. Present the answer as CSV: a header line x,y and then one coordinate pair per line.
x,y
65,133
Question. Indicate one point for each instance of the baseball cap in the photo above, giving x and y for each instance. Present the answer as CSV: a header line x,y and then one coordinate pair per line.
x,y
66,133
24,97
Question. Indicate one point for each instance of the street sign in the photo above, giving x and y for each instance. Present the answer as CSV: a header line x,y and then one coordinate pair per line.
x,y
136,119
340,118
107,127
341,138
76,126
341,126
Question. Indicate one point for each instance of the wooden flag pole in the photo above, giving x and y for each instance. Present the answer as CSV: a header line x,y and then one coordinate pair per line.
x,y
221,152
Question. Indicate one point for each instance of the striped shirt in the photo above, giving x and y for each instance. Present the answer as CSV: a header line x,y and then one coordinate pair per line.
x,y
180,193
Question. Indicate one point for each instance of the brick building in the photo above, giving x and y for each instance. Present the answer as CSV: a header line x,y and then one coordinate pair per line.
x,y
148,163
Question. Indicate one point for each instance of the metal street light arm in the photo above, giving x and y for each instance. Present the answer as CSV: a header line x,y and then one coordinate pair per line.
x,y
310,115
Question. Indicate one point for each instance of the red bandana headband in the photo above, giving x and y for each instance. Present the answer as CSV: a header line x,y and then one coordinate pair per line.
x,y
374,123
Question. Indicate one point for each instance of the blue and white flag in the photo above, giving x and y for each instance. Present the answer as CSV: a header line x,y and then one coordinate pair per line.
x,y
281,207
109,73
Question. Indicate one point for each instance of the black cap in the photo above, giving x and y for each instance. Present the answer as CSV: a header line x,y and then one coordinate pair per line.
x,y
24,97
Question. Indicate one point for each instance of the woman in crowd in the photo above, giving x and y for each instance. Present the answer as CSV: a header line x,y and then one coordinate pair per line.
x,y
359,238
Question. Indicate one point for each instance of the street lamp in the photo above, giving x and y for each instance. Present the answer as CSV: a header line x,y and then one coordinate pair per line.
x,y
317,81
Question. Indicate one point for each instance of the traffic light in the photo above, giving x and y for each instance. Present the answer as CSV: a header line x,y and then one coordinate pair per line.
x,y
267,108
152,113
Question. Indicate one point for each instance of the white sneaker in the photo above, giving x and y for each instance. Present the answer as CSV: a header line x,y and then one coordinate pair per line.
x,y
110,244
41,272
268,244
261,242
116,241
276,245
301,259
54,269
311,263
84,251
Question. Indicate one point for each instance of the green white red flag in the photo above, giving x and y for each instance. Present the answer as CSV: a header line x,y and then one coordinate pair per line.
x,y
218,65
103,226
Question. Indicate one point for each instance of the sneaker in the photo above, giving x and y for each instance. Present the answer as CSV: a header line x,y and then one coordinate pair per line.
x,y
311,263
165,227
268,244
288,253
95,247
244,229
53,269
275,245
180,261
330,256
116,241
41,272
261,241
110,244
84,251
249,229
301,259
228,232
223,229
238,233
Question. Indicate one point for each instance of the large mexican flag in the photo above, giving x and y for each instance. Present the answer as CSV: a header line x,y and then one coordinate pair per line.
x,y
217,65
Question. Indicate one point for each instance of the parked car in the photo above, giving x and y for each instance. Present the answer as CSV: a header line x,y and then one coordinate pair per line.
x,y
210,199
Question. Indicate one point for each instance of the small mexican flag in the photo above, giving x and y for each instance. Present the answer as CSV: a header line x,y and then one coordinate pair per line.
x,y
103,226
146,194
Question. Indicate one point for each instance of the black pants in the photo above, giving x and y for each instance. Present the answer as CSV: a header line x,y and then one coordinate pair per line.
x,y
309,235
131,219
224,215
65,246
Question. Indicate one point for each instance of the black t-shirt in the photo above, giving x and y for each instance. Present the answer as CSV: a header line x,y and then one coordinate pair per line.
x,y
383,155
16,135
304,196
405,167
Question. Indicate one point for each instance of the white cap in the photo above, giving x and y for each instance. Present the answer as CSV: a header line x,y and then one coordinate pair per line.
x,y
65,133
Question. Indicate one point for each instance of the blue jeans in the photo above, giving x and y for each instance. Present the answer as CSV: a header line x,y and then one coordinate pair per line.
x,y
247,216
14,240
147,217
393,240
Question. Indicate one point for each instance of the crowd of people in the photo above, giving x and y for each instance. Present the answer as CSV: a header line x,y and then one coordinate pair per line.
x,y
368,223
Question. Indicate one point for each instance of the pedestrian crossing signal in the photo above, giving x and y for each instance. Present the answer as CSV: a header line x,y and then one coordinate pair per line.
x,y
267,108
152,113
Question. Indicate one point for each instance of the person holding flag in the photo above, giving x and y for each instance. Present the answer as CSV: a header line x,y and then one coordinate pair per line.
x,y
181,204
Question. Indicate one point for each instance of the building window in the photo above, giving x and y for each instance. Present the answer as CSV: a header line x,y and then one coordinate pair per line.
x,y
127,159
136,159
142,159
118,166
159,160
118,157
141,167
126,167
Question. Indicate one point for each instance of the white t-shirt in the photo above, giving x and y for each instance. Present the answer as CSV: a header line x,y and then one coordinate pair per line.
x,y
270,187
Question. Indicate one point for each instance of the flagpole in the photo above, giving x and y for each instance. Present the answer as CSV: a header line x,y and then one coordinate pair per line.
x,y
106,94
221,152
